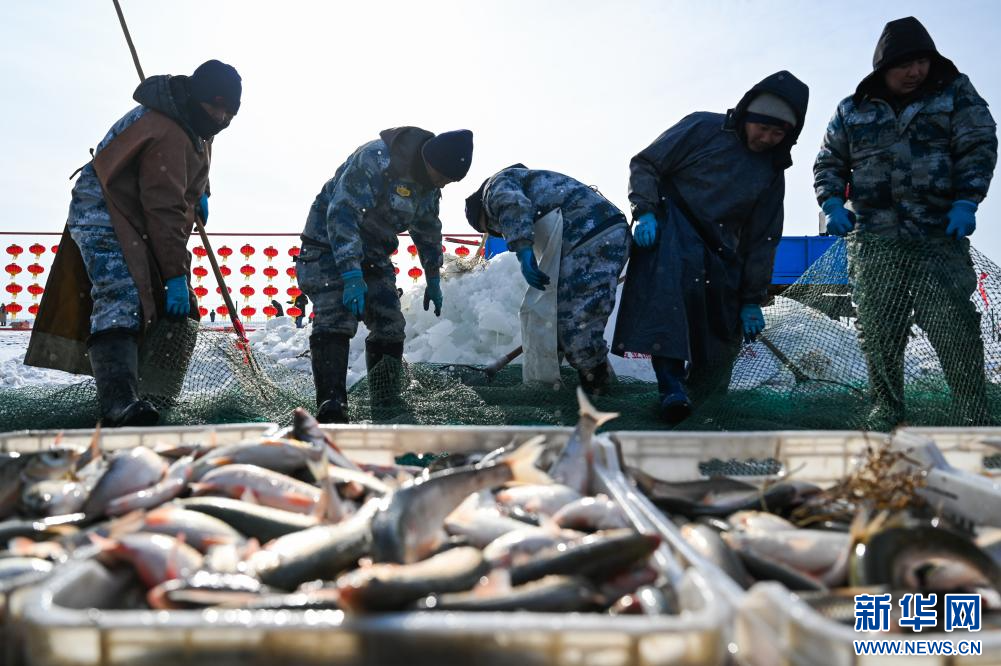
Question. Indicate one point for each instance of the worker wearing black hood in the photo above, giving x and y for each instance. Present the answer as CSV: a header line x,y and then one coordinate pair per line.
x,y
914,150
123,263
386,187
708,198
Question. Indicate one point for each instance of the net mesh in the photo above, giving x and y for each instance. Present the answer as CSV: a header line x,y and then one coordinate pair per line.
x,y
876,333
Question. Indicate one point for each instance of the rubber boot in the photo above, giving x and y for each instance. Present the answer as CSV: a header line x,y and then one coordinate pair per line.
x,y
675,405
596,380
886,389
114,360
329,354
384,385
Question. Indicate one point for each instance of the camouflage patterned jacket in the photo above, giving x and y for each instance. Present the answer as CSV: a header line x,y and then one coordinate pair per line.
x,y
372,198
904,171
514,199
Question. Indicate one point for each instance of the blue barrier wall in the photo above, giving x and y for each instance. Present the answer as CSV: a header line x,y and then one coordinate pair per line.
x,y
794,255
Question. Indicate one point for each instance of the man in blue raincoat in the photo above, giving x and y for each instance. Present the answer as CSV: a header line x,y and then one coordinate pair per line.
x,y
707,197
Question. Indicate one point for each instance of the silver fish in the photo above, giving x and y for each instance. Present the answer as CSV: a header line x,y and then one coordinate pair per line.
x,y
269,488
573,467
591,514
173,484
409,524
128,471
278,455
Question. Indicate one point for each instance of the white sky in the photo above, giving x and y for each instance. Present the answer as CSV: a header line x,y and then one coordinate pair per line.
x,y
577,86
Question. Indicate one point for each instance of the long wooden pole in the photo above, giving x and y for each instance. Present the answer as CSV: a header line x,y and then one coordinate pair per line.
x,y
231,309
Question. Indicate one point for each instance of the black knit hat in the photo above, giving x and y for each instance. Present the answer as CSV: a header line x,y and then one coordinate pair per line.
x,y
216,83
450,153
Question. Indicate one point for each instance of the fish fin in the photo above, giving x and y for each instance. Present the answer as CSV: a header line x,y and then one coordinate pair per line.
x,y
522,462
251,547
219,461
218,540
200,488
296,499
495,583
127,524
21,546
173,560
588,410
104,543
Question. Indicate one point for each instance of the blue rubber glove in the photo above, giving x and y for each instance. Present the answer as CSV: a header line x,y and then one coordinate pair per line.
x,y
530,269
178,304
753,321
839,221
354,292
203,208
432,294
645,233
962,219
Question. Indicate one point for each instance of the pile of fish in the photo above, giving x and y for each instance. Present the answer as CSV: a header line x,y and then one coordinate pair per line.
x,y
294,523
869,533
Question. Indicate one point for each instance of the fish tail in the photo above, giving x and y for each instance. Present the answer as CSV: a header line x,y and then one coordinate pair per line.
x,y
588,411
522,462
127,524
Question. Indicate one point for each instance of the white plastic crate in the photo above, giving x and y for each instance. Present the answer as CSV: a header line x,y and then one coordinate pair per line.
x,y
57,630
773,627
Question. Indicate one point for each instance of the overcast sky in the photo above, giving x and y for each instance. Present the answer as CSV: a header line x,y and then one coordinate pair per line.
x,y
577,86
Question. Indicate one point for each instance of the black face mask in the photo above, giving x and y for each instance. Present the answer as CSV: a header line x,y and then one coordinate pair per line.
x,y
201,122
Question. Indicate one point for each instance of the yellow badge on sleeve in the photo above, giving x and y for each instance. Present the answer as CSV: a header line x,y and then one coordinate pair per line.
x,y
402,190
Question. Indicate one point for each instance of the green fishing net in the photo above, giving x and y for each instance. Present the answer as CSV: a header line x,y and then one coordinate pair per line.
x,y
876,333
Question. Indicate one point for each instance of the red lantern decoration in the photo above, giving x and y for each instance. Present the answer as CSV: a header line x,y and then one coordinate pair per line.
x,y
294,311
396,252
293,251
248,312
247,270
396,270
412,249
290,272
200,251
224,252
14,250
225,270
415,273
312,315
202,312
37,249
444,249
199,272
293,291
201,292
222,310
270,291
54,248
33,309
13,309
218,290
270,272
269,311
35,290
270,252
13,269
247,251
247,291
462,251
14,289
36,270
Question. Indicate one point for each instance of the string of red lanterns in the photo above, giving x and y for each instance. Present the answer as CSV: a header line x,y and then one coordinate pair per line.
x,y
200,272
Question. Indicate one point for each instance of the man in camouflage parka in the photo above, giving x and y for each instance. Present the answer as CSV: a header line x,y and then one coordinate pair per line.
x,y
595,249
914,151
386,187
